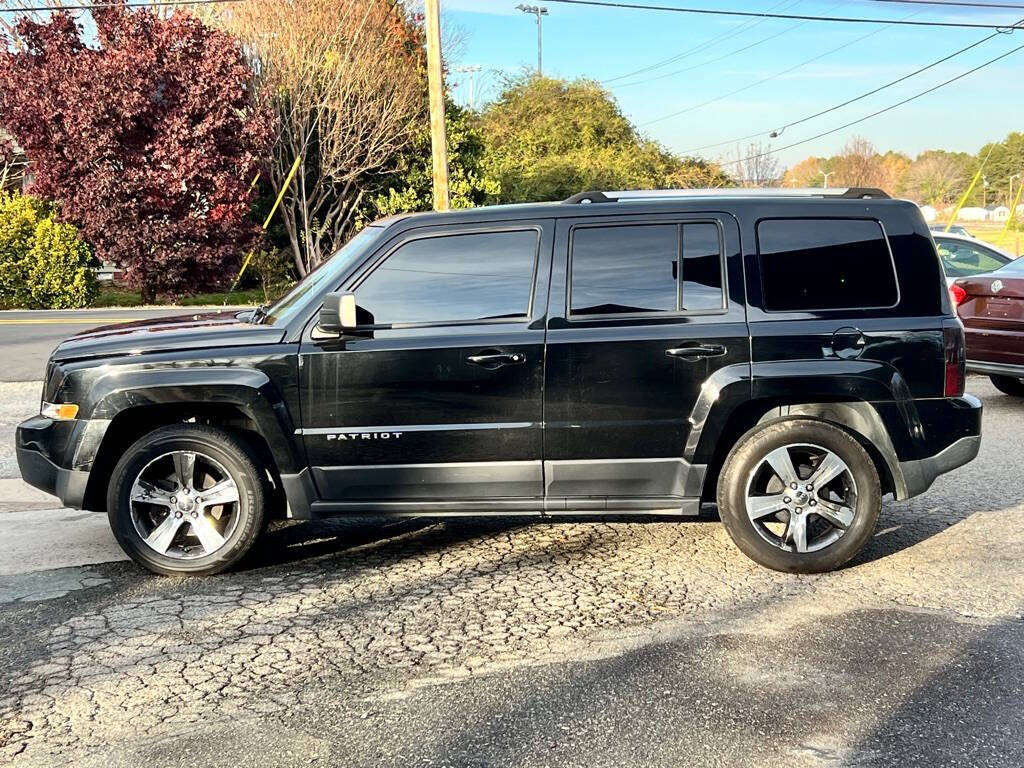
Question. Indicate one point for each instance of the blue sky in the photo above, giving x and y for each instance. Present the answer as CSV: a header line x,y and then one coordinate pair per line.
x,y
608,43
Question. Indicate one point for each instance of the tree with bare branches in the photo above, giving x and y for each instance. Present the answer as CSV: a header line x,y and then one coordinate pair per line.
x,y
757,166
346,79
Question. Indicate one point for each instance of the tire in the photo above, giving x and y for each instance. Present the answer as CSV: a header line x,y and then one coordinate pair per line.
x,y
1008,385
150,471
769,531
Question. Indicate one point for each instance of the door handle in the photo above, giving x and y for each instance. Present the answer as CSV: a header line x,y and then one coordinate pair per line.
x,y
494,360
697,352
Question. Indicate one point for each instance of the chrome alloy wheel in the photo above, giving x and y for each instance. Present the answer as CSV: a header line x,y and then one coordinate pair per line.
x,y
184,505
801,498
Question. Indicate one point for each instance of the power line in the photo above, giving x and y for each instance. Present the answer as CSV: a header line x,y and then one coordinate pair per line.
x,y
764,80
950,4
879,112
798,17
717,59
743,27
100,6
846,103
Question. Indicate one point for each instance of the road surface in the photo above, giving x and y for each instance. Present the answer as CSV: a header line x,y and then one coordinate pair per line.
x,y
507,642
28,337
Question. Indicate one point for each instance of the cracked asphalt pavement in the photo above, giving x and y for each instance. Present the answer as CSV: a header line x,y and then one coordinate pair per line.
x,y
511,642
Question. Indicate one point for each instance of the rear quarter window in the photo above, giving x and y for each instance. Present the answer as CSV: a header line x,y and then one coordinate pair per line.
x,y
825,264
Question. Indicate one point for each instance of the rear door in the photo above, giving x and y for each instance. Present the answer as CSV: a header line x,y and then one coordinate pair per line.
x,y
643,312
435,400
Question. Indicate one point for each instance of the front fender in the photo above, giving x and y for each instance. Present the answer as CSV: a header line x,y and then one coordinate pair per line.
x,y
116,391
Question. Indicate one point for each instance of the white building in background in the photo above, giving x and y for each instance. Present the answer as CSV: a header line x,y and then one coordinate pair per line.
x,y
973,214
929,213
998,213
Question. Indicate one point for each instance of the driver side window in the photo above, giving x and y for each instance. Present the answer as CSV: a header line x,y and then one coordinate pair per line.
x,y
452,278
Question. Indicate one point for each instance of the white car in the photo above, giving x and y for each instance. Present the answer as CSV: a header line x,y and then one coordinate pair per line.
x,y
963,256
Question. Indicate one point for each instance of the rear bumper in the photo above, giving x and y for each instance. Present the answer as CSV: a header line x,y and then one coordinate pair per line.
x,y
958,421
995,369
919,475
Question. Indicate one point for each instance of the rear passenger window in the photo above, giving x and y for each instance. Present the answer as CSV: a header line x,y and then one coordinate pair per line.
x,y
646,269
702,267
822,264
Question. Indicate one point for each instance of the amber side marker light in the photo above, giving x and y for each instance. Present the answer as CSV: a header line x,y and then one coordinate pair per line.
x,y
59,411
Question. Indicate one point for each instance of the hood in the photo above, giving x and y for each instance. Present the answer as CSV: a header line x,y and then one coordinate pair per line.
x,y
212,330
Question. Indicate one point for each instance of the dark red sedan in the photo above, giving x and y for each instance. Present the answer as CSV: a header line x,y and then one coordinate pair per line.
x,y
991,307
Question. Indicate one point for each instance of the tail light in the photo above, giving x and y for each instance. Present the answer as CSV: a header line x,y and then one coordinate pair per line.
x,y
955,353
958,294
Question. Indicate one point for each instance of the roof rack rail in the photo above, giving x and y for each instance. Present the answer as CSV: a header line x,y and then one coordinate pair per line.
x,y
586,198
838,193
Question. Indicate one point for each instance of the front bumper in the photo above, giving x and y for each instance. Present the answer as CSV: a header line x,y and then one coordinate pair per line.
x,y
43,447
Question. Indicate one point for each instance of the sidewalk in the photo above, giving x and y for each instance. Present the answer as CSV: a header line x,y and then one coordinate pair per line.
x,y
36,534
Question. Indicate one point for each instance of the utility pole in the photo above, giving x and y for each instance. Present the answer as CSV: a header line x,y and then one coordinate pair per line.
x,y
471,70
538,11
826,175
435,84
984,191
1014,176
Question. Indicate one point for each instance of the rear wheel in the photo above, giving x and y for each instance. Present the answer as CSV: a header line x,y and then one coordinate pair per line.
x,y
1008,385
799,495
187,499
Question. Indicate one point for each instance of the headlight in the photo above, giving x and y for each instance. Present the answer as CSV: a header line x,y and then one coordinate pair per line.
x,y
59,411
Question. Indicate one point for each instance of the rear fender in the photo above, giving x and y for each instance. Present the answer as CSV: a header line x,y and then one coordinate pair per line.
x,y
860,396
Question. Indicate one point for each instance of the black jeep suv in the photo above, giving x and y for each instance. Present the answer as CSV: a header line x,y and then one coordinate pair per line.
x,y
792,357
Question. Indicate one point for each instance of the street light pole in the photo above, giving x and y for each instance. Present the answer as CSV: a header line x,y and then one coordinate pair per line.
x,y
538,11
826,175
471,70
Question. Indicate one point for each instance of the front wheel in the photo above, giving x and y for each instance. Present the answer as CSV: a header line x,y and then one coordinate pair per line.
x,y
187,500
1008,385
799,495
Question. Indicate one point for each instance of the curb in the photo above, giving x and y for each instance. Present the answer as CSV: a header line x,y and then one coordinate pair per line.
x,y
15,491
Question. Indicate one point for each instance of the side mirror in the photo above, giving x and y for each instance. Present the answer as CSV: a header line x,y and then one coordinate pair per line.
x,y
338,313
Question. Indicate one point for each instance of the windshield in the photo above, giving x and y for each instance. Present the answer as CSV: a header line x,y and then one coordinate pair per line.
x,y
328,272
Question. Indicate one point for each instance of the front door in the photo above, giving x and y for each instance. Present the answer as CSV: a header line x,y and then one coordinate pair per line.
x,y
644,314
435,400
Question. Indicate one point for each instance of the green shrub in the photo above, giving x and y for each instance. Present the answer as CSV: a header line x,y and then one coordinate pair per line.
x,y
274,271
44,264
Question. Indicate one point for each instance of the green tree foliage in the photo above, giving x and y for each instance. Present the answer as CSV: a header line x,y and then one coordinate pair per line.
x,y
44,264
409,186
547,139
1006,160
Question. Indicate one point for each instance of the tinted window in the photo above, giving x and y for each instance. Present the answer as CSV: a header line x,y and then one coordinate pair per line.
x,y
702,267
619,270
475,276
809,264
635,269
